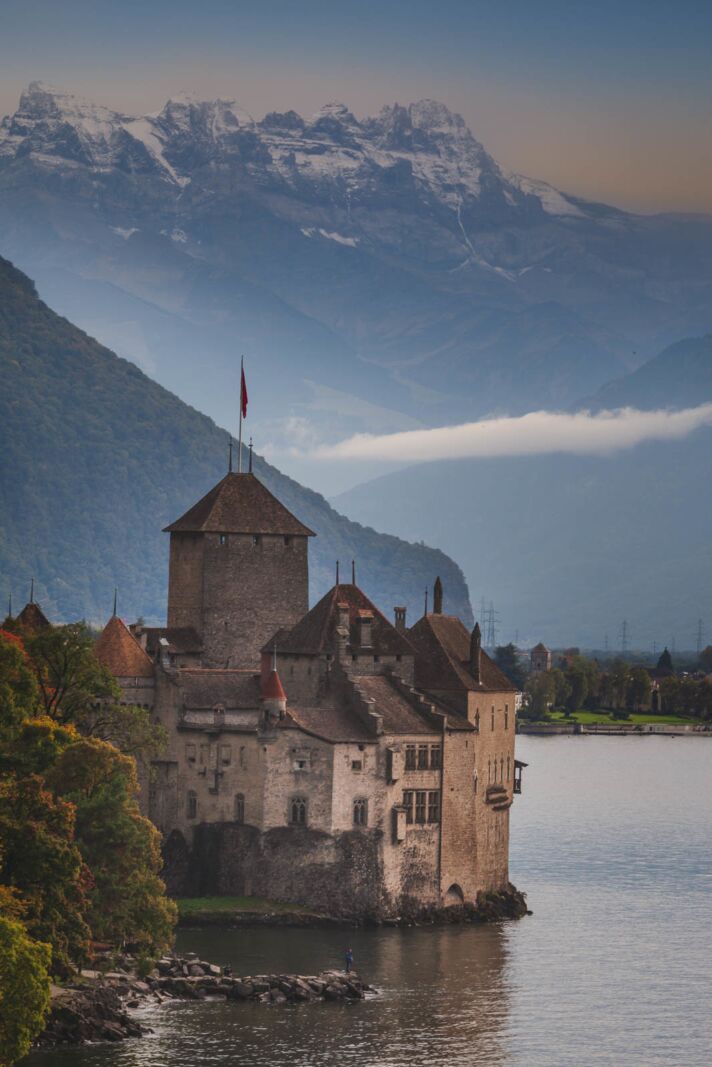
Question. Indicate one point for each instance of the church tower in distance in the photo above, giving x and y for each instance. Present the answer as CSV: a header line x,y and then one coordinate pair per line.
x,y
238,571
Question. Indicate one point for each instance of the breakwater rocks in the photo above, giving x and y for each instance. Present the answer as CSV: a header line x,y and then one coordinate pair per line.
x,y
99,1006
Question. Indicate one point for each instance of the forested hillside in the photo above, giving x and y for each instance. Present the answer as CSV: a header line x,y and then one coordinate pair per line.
x,y
97,458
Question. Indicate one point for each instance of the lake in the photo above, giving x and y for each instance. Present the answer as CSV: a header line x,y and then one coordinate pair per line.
x,y
611,840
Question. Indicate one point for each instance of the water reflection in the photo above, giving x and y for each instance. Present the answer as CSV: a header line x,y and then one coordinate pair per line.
x,y
611,841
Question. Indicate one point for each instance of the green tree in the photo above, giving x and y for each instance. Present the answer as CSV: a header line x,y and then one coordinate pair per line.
x,y
639,689
18,688
578,684
539,696
670,695
562,689
506,658
619,679
41,860
76,688
706,660
24,987
127,901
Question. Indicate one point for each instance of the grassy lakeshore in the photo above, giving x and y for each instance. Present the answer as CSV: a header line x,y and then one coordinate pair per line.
x,y
635,718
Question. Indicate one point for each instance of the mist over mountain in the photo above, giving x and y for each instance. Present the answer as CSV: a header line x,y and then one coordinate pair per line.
x,y
568,546
378,273
97,459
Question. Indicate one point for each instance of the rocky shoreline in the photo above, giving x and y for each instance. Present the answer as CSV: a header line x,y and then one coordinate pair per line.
x,y
99,1005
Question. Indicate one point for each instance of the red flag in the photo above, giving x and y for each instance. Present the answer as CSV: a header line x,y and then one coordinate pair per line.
x,y
243,394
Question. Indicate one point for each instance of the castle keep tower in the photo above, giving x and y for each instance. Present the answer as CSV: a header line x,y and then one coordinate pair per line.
x,y
238,571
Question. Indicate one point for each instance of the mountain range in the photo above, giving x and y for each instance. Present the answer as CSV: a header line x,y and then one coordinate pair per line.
x,y
378,273
569,546
97,459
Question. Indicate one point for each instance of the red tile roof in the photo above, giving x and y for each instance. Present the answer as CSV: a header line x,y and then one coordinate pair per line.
x,y
316,631
272,689
240,503
121,653
443,659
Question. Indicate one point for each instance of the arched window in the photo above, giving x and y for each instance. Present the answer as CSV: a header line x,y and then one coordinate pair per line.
x,y
239,814
492,723
489,771
501,768
192,804
360,811
477,719
509,768
506,716
298,811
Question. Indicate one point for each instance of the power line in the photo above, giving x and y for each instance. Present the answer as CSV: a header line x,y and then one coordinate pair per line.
x,y
700,631
624,636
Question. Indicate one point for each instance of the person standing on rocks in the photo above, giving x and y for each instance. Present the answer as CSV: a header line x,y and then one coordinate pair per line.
x,y
349,960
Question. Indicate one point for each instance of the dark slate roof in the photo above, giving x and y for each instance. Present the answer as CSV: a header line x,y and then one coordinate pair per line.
x,y
33,618
398,713
540,648
442,661
182,640
240,503
203,688
121,653
330,724
316,631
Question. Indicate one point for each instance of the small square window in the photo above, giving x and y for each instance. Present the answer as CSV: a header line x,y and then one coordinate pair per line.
x,y
356,765
301,763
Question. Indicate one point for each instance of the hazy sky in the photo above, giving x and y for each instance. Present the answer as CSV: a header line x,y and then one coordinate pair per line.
x,y
610,100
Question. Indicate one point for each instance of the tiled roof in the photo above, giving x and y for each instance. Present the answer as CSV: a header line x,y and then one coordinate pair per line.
x,y
33,618
316,631
540,648
240,503
121,653
205,688
181,640
273,689
398,714
442,661
331,724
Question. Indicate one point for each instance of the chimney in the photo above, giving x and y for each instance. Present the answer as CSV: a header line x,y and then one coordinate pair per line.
x,y
343,634
438,597
365,625
399,613
476,652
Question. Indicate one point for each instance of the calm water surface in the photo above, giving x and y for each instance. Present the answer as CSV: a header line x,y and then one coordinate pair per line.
x,y
612,842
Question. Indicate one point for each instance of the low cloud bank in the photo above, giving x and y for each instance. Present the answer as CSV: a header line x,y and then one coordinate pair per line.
x,y
536,433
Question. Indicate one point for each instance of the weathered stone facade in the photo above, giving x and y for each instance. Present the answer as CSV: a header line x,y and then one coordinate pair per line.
x,y
326,756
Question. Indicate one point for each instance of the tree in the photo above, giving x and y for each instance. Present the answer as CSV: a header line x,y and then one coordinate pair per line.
x,y
639,688
505,656
665,665
562,689
619,679
76,688
540,696
578,683
18,689
127,901
706,660
670,695
42,862
24,986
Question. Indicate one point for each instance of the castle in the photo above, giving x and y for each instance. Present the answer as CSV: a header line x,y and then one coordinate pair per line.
x,y
325,756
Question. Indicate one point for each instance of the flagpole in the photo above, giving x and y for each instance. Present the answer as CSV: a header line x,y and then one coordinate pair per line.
x,y
239,445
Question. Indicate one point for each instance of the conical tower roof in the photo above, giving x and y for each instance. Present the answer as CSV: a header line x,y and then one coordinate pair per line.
x,y
33,618
121,653
240,503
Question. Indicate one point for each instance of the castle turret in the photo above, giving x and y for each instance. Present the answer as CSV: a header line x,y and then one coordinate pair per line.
x,y
238,570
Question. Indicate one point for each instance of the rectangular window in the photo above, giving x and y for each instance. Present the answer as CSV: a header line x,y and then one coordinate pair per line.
x,y
360,812
256,540
422,757
191,752
239,807
300,764
433,806
223,539
356,765
226,755
408,805
410,757
192,805
492,724
287,541
435,757
506,716
204,755
421,799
